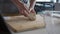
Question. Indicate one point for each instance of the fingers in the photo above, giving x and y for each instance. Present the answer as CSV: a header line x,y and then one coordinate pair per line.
x,y
32,11
26,9
31,15
25,13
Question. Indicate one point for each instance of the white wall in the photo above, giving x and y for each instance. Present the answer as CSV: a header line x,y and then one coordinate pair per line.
x,y
47,0
44,0
54,1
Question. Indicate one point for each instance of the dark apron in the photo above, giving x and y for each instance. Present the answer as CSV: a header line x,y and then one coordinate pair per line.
x,y
8,8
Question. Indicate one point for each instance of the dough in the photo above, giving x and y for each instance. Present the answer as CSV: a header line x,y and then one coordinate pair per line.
x,y
32,16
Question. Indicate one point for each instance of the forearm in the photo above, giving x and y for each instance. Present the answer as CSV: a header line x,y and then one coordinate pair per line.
x,y
18,4
32,4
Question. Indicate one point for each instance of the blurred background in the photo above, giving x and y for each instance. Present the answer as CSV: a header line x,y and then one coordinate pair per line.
x,y
6,6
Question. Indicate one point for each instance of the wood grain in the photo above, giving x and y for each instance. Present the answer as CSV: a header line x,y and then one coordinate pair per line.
x,y
21,23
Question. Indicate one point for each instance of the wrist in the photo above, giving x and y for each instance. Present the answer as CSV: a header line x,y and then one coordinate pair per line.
x,y
30,9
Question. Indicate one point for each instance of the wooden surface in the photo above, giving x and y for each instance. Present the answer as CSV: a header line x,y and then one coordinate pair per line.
x,y
21,23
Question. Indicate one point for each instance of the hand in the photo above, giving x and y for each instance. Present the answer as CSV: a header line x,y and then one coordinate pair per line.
x,y
28,11
25,13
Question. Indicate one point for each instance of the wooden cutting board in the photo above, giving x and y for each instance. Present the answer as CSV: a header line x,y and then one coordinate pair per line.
x,y
21,23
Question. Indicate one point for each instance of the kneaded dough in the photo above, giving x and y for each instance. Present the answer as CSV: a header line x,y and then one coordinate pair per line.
x,y
32,16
